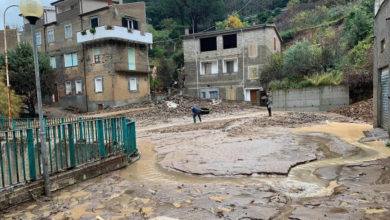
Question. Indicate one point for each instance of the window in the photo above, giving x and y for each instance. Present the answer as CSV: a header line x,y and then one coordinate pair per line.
x,y
133,84
38,38
208,67
131,58
208,44
94,22
209,93
214,95
383,45
230,66
70,59
96,55
79,86
53,62
50,36
130,23
68,88
230,41
68,31
253,72
99,84
252,50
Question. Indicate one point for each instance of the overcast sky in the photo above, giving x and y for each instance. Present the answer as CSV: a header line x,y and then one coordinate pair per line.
x,y
13,18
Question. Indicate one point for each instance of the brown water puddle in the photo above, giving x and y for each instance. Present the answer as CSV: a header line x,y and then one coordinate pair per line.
x,y
301,181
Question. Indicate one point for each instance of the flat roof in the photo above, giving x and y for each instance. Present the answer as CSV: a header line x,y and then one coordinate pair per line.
x,y
233,30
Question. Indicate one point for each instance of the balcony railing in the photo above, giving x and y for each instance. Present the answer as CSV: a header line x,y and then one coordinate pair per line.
x,y
116,33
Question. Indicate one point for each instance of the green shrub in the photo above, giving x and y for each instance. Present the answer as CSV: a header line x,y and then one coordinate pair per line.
x,y
287,35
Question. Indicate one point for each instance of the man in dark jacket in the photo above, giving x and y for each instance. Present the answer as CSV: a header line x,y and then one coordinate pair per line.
x,y
196,112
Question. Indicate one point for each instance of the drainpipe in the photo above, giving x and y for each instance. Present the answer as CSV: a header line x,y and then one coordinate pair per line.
x,y
84,60
243,62
196,60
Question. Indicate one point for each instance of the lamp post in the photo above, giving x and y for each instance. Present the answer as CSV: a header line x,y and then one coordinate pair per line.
x,y
6,65
32,10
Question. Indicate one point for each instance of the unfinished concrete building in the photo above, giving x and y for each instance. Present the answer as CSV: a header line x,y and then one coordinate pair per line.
x,y
381,64
99,49
227,64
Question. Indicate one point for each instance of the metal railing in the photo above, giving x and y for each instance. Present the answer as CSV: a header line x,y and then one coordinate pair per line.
x,y
70,142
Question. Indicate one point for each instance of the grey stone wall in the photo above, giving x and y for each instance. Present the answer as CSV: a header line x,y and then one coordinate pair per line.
x,y
322,98
381,59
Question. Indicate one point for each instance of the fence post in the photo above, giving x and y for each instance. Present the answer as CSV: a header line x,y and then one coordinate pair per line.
x,y
28,123
81,129
133,142
13,124
71,145
31,154
101,137
125,134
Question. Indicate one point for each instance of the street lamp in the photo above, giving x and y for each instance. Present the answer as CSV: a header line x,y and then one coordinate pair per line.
x,y
32,10
6,65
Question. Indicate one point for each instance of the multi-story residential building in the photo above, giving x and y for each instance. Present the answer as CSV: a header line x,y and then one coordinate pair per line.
x,y
99,49
227,64
382,64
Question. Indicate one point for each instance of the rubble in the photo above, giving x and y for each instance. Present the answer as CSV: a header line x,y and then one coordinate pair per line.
x,y
362,111
176,106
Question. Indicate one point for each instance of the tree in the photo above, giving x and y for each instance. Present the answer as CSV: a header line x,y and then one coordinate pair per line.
x,y
233,21
16,101
301,59
190,12
273,69
22,75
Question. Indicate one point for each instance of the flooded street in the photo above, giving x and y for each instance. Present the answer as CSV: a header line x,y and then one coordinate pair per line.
x,y
236,166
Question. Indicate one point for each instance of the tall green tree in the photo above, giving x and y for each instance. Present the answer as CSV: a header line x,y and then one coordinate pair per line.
x,y
22,74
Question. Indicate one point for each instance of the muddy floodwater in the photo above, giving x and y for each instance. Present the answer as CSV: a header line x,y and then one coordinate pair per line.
x,y
237,166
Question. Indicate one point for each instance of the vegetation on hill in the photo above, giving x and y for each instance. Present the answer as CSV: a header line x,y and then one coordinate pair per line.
x,y
16,100
325,41
328,40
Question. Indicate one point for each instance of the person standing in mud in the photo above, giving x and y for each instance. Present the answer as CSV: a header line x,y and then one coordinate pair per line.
x,y
268,101
196,112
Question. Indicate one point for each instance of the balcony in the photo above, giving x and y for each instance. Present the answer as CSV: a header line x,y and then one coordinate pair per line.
x,y
124,68
116,33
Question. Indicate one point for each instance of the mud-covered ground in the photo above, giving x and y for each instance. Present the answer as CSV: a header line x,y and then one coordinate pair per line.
x,y
239,164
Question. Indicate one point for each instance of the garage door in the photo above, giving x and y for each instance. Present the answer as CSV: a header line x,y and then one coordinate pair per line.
x,y
385,100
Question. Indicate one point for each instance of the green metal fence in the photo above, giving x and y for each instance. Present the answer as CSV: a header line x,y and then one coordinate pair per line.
x,y
70,143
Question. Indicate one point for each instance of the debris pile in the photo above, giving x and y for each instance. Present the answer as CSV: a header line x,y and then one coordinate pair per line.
x,y
177,106
361,111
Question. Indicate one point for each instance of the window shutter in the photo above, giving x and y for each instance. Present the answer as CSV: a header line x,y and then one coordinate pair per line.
x,y
236,65
68,60
214,67
133,84
74,59
99,84
202,68
131,58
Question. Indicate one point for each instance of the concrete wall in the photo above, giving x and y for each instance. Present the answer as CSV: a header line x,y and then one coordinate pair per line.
x,y
322,98
381,59
260,38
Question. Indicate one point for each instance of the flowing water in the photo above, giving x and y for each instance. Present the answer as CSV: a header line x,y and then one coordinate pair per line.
x,y
301,181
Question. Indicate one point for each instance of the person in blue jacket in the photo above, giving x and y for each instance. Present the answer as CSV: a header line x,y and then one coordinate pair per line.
x,y
196,112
